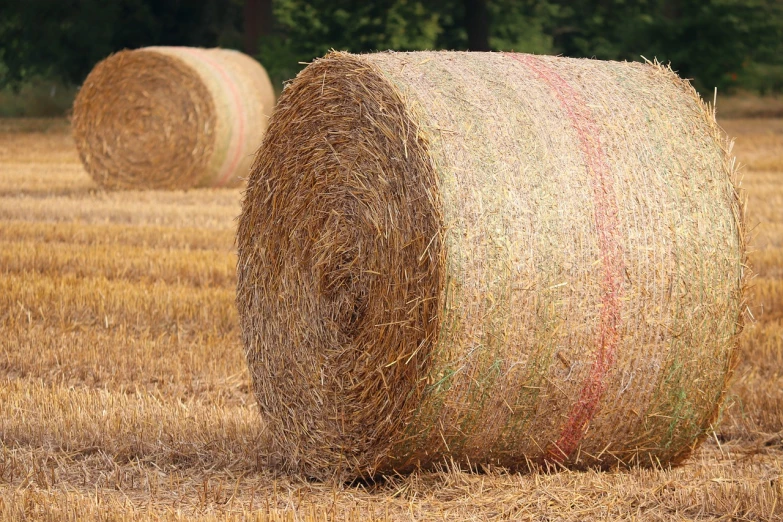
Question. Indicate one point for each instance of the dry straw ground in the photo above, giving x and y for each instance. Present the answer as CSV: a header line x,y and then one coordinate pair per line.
x,y
124,393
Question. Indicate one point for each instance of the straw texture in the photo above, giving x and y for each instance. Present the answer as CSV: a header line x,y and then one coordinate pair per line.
x,y
172,117
489,258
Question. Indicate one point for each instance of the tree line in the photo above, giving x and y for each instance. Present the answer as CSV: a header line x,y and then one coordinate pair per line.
x,y
717,43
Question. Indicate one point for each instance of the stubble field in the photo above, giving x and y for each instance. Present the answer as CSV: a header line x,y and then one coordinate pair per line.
x,y
124,393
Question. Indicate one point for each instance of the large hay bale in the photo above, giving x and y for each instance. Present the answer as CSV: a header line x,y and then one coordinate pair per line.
x,y
172,117
488,259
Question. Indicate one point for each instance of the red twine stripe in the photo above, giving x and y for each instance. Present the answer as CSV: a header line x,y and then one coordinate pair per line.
x,y
606,224
239,120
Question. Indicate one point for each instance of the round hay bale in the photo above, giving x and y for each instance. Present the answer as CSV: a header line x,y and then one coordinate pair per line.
x,y
488,259
172,117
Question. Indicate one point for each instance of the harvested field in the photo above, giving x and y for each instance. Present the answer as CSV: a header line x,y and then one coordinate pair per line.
x,y
125,393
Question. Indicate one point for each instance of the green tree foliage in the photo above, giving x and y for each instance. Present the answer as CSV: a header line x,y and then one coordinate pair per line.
x,y
65,38
721,43
709,41
713,42
308,29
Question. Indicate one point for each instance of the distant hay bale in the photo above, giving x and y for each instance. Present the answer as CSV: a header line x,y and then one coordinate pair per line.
x,y
172,117
488,259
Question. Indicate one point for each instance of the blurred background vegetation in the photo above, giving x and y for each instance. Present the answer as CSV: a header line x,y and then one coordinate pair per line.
x,y
47,47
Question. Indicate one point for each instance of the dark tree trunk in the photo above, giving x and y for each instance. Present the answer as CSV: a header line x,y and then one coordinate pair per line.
x,y
257,16
477,25
671,9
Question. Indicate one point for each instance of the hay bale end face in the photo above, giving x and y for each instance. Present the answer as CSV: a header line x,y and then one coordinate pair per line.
x,y
488,258
172,117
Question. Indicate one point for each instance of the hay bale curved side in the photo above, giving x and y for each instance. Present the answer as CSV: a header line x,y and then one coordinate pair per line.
x,y
489,258
172,117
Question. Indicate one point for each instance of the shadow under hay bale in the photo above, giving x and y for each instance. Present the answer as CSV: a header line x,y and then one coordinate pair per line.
x,y
489,259
172,117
